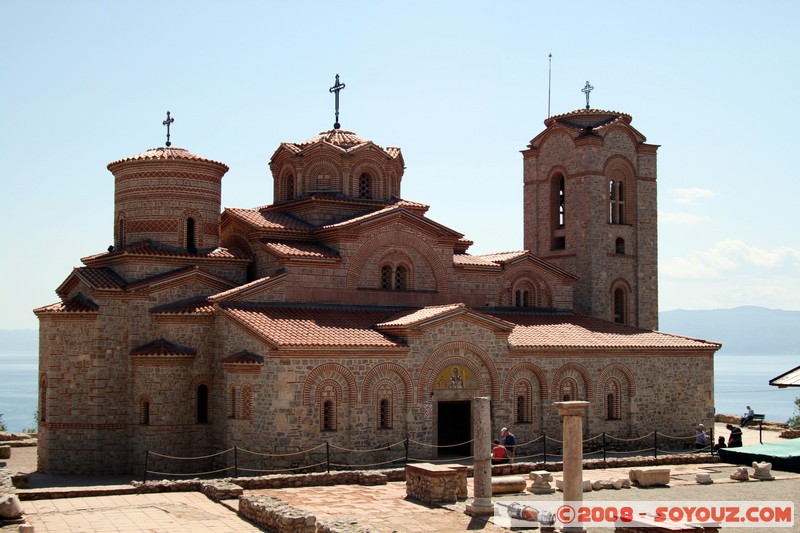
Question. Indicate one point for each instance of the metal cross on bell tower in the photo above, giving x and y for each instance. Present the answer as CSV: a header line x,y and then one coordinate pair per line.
x,y
587,89
167,123
335,89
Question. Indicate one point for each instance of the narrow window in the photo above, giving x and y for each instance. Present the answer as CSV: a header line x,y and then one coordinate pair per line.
x,y
365,186
288,187
619,246
613,400
191,246
202,404
323,182
561,195
619,306
121,232
400,278
144,413
232,402
616,202
43,401
328,416
385,414
386,277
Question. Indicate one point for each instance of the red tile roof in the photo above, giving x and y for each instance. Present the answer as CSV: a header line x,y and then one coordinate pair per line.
x,y
554,330
339,326
100,278
192,306
242,291
166,154
300,250
263,218
149,248
180,273
244,358
76,304
163,347
412,316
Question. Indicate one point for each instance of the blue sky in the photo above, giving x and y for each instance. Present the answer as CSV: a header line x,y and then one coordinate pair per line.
x,y
460,86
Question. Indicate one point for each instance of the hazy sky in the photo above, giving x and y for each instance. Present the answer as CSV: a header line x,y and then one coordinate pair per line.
x,y
460,86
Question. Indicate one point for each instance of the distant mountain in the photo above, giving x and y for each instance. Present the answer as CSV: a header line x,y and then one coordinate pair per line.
x,y
741,330
19,341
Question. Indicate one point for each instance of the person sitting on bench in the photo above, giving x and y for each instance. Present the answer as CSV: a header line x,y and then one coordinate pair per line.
x,y
748,416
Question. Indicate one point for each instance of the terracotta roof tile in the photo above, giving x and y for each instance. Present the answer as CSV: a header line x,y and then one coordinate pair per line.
x,y
243,289
100,278
178,273
263,218
340,326
244,358
408,317
555,330
473,260
192,306
347,141
149,248
76,304
166,154
163,347
300,249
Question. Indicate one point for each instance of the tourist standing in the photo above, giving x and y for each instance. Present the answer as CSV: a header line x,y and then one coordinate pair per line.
x,y
510,442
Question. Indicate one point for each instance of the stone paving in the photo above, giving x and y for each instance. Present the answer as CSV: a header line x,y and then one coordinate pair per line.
x,y
381,508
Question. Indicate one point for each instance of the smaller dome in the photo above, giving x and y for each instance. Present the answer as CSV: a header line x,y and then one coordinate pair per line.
x,y
341,138
169,153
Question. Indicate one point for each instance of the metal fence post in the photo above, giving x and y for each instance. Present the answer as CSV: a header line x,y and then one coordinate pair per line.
x,y
655,444
235,461
146,455
544,446
328,455
604,447
407,444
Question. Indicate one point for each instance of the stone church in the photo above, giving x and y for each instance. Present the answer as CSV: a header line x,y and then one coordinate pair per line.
x,y
341,313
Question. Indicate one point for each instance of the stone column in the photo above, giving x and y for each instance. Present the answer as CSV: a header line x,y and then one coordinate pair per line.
x,y
482,450
573,413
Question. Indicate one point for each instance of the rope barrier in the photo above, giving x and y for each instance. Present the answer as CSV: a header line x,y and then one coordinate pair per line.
x,y
191,458
601,448
380,449
441,445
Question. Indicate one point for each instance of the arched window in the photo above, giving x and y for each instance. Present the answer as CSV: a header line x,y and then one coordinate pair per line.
x,y
568,391
616,201
365,186
400,278
522,400
612,398
386,277
619,245
288,187
202,404
394,277
521,298
328,399
144,412
191,245
559,197
384,394
620,306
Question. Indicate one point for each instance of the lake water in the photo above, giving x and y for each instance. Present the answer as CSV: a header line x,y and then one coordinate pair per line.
x,y
740,380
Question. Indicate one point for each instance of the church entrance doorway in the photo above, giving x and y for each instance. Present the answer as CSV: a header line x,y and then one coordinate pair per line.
x,y
454,421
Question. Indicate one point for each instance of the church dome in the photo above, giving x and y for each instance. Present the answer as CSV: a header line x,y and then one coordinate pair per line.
x,y
341,138
168,153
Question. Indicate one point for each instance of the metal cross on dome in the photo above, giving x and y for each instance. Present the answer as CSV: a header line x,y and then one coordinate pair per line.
x,y
335,89
587,89
167,123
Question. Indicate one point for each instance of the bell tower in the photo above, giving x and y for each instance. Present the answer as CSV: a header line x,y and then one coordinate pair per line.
x,y
590,208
